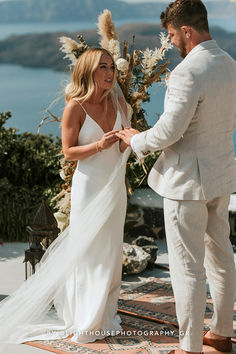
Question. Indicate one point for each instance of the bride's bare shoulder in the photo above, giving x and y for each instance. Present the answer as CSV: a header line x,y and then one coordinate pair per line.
x,y
74,109
74,105
73,115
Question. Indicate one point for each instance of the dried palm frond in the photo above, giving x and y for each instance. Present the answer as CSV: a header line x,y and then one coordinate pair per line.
x,y
136,56
128,76
137,99
48,119
128,186
66,173
125,49
136,96
106,28
63,204
71,48
155,77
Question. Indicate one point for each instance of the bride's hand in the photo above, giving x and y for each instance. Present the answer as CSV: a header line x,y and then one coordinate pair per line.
x,y
108,140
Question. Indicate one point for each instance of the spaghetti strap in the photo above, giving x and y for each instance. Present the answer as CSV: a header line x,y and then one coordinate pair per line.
x,y
80,105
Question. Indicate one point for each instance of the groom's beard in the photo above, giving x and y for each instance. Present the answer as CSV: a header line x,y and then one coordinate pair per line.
x,y
182,49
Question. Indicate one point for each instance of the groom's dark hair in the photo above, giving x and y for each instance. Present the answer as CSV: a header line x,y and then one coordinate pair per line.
x,y
191,13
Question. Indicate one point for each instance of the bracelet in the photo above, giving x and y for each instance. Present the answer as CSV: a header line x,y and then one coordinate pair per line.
x,y
99,149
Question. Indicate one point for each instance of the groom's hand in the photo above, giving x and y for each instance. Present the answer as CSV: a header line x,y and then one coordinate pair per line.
x,y
127,134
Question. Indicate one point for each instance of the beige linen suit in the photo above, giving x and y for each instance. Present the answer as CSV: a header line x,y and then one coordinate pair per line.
x,y
195,174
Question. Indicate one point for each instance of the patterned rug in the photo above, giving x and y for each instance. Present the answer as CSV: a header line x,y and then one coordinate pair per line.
x,y
155,301
140,336
148,320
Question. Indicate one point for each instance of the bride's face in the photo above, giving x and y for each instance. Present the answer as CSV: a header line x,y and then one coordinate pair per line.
x,y
104,74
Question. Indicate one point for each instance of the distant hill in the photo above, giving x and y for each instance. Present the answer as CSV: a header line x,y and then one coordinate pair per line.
x,y
42,50
88,10
72,10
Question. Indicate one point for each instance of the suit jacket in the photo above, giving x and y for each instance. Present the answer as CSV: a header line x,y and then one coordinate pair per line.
x,y
196,129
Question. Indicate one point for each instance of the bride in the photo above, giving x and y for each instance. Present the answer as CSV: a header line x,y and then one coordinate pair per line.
x,y
80,273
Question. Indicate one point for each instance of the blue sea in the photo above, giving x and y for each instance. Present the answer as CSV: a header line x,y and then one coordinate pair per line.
x,y
28,92
6,30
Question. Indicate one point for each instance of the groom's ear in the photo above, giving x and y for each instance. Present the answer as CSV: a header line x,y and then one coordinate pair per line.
x,y
186,31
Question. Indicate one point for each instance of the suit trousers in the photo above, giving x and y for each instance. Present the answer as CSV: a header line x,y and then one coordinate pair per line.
x,y
197,233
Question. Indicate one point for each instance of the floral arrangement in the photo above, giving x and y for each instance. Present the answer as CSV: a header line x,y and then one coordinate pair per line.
x,y
137,71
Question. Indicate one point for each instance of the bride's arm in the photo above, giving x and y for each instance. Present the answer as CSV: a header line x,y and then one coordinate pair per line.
x,y
72,121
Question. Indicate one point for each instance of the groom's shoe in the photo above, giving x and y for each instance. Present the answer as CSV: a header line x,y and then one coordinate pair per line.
x,y
222,345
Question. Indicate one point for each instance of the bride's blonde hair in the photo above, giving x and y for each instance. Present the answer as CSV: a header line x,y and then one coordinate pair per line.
x,y
82,84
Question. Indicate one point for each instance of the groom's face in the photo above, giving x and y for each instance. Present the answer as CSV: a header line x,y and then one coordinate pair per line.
x,y
178,39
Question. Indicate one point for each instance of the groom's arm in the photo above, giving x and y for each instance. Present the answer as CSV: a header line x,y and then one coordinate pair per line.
x,y
181,104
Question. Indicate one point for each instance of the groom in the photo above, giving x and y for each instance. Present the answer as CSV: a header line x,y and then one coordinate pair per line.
x,y
196,174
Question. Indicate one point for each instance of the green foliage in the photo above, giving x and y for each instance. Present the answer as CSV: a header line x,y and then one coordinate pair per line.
x,y
136,174
29,172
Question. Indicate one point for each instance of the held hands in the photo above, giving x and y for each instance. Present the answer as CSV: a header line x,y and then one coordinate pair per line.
x,y
113,136
127,134
108,140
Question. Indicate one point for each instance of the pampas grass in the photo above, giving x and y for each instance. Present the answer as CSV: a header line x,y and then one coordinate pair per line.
x,y
71,48
106,29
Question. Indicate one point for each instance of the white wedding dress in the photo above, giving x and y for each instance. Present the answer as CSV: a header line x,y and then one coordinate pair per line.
x,y
81,271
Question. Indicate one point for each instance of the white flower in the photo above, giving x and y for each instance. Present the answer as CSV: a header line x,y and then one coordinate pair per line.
x,y
165,41
114,48
122,65
157,55
145,63
150,60
151,57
